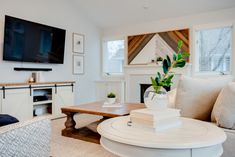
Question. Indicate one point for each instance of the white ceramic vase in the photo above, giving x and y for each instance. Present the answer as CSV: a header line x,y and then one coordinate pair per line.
x,y
111,100
155,101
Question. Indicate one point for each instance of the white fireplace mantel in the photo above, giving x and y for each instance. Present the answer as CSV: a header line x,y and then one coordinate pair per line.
x,y
140,74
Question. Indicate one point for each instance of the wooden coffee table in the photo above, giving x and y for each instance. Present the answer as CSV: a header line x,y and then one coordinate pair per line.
x,y
94,108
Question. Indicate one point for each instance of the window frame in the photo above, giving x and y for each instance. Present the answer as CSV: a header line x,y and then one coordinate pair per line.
x,y
104,50
196,71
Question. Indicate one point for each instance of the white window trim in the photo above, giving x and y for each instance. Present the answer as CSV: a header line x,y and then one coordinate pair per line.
x,y
104,41
196,54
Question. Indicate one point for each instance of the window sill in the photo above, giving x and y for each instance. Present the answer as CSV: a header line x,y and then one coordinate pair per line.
x,y
113,76
211,74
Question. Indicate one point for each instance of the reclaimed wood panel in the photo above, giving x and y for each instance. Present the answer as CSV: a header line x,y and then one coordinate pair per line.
x,y
137,42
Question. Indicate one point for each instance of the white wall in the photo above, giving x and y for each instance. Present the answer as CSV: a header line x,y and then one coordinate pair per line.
x,y
188,21
135,74
63,14
172,23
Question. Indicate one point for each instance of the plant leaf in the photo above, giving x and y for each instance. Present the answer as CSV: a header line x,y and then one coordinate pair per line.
x,y
154,83
185,55
159,75
155,86
179,56
180,64
165,66
174,57
180,44
168,61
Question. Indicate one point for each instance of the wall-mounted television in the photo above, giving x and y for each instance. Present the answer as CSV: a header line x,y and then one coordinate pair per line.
x,y
27,41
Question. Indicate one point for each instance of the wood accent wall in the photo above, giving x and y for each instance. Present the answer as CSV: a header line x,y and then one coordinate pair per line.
x,y
172,38
137,42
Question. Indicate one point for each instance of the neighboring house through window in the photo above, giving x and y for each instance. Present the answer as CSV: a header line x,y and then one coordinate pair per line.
x,y
113,57
214,49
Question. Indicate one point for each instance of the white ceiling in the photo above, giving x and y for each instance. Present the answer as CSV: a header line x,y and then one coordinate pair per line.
x,y
112,13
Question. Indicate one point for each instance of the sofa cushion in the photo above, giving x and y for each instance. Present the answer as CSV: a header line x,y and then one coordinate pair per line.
x,y
196,97
171,98
224,109
6,119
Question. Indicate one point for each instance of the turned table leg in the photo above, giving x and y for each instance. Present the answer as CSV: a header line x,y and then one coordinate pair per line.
x,y
69,124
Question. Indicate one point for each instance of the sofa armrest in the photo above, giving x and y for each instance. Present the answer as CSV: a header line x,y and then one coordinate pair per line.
x,y
30,138
229,144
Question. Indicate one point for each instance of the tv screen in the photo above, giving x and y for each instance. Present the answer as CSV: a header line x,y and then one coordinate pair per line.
x,y
27,41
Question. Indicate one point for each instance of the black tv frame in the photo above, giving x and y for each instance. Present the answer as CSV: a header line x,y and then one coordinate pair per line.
x,y
5,59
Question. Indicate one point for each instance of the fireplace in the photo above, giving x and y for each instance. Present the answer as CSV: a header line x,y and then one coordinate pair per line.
x,y
143,88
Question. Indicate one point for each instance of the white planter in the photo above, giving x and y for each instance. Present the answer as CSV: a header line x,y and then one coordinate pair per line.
x,y
111,100
155,101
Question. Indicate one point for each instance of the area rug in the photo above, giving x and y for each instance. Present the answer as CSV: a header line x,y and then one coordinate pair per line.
x,y
68,147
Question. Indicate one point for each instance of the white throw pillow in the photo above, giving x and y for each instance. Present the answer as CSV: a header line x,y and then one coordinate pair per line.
x,y
224,108
196,97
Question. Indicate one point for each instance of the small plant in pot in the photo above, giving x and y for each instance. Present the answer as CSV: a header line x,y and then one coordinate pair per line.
x,y
159,60
155,97
111,98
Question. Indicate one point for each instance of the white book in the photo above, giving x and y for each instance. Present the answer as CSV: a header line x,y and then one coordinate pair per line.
x,y
154,123
153,115
160,126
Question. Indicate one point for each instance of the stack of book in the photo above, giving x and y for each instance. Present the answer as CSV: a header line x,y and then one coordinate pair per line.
x,y
157,120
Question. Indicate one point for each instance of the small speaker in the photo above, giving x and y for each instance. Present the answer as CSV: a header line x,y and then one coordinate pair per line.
x,y
32,69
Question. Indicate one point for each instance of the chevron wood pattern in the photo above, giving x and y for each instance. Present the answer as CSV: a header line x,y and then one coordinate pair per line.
x,y
137,42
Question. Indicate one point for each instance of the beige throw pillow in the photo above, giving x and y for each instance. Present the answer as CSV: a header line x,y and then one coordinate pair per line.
x,y
196,97
224,108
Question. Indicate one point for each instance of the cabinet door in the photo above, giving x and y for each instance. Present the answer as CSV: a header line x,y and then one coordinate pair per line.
x,y
17,103
64,96
1,101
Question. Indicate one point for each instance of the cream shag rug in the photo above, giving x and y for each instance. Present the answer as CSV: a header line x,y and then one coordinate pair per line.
x,y
68,147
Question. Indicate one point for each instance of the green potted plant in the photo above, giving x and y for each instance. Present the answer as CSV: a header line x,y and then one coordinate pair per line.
x,y
111,98
159,60
156,95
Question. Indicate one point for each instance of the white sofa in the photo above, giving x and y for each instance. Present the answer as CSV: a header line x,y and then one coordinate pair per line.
x,y
26,139
229,144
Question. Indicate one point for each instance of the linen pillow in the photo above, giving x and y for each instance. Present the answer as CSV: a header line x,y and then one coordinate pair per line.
x,y
224,108
196,97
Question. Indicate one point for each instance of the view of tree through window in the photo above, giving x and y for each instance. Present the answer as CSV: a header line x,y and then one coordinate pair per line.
x,y
214,47
114,56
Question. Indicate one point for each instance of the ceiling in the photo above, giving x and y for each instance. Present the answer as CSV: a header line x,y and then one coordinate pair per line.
x,y
112,13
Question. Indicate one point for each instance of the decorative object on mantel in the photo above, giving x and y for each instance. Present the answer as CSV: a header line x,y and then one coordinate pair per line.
x,y
155,97
159,61
111,98
78,43
78,64
31,79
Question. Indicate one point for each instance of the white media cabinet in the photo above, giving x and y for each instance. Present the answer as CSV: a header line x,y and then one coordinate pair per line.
x,y
27,100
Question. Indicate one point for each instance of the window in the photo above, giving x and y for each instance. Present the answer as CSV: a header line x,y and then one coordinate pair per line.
x,y
113,57
214,49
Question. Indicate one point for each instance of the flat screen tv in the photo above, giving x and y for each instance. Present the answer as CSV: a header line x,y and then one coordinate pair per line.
x,y
27,41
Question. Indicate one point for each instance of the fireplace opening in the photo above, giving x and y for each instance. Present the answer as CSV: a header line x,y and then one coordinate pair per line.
x,y
143,88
